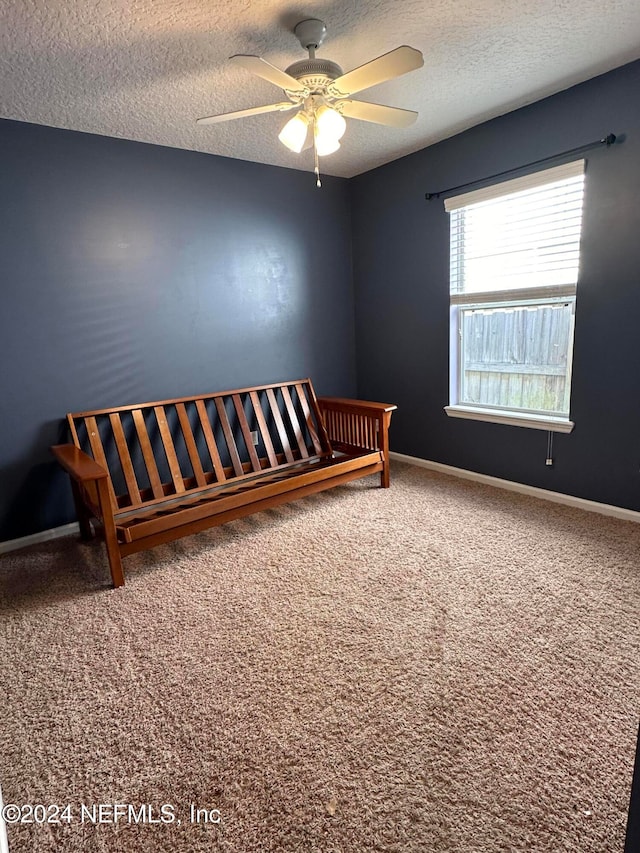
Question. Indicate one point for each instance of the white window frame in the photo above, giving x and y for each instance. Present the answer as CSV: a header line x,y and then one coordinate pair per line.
x,y
518,297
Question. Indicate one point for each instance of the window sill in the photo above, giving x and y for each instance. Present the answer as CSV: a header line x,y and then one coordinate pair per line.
x,y
496,416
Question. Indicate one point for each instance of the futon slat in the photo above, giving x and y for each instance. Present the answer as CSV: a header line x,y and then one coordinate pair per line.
x,y
73,430
228,435
210,441
263,428
366,437
324,469
319,446
246,433
125,459
293,420
277,417
190,442
169,449
246,481
93,433
238,486
147,454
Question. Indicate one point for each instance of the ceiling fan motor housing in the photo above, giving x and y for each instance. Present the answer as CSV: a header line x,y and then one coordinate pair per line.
x,y
315,73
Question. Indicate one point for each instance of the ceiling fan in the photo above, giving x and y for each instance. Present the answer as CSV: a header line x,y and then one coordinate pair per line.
x,y
321,93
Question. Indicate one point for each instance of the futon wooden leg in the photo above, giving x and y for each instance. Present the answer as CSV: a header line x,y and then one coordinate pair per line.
x,y
115,564
113,553
110,536
385,479
384,447
84,516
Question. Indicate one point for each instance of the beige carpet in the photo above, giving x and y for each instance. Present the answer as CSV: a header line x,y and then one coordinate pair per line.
x,y
437,667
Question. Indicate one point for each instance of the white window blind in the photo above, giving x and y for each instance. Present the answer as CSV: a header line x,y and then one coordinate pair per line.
x,y
519,234
515,254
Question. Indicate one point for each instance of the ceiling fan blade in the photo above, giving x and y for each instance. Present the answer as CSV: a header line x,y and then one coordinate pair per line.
x,y
377,113
262,68
386,67
252,111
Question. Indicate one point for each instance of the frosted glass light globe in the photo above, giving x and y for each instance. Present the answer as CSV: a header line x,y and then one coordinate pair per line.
x,y
294,133
330,123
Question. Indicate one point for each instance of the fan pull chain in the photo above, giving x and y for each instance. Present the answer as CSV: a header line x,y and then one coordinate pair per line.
x,y
315,157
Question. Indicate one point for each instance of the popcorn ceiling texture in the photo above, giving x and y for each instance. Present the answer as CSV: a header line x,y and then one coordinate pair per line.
x,y
441,666
146,69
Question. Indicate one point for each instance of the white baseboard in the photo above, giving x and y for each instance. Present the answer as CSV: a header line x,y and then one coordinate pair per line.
x,y
36,538
533,491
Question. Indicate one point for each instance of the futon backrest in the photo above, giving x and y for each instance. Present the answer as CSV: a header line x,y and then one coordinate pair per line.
x,y
175,447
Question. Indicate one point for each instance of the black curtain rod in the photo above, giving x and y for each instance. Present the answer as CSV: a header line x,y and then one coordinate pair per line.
x,y
607,140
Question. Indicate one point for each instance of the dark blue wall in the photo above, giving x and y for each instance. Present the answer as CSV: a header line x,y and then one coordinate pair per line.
x,y
133,272
401,270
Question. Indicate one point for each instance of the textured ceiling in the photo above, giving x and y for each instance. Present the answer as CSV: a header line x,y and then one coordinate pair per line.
x,y
146,69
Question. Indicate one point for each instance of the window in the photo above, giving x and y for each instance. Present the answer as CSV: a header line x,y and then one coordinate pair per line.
x,y
515,252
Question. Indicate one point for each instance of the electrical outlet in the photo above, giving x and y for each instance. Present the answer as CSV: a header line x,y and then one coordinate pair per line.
x,y
548,462
254,437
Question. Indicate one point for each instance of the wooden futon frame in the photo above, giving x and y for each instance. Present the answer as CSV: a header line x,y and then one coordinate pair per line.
x,y
153,472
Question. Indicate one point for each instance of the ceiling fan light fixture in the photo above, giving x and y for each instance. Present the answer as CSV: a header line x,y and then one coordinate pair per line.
x,y
330,123
326,145
294,134
329,127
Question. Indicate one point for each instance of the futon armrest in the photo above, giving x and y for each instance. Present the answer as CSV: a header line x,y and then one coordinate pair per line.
x,y
343,404
358,425
80,466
